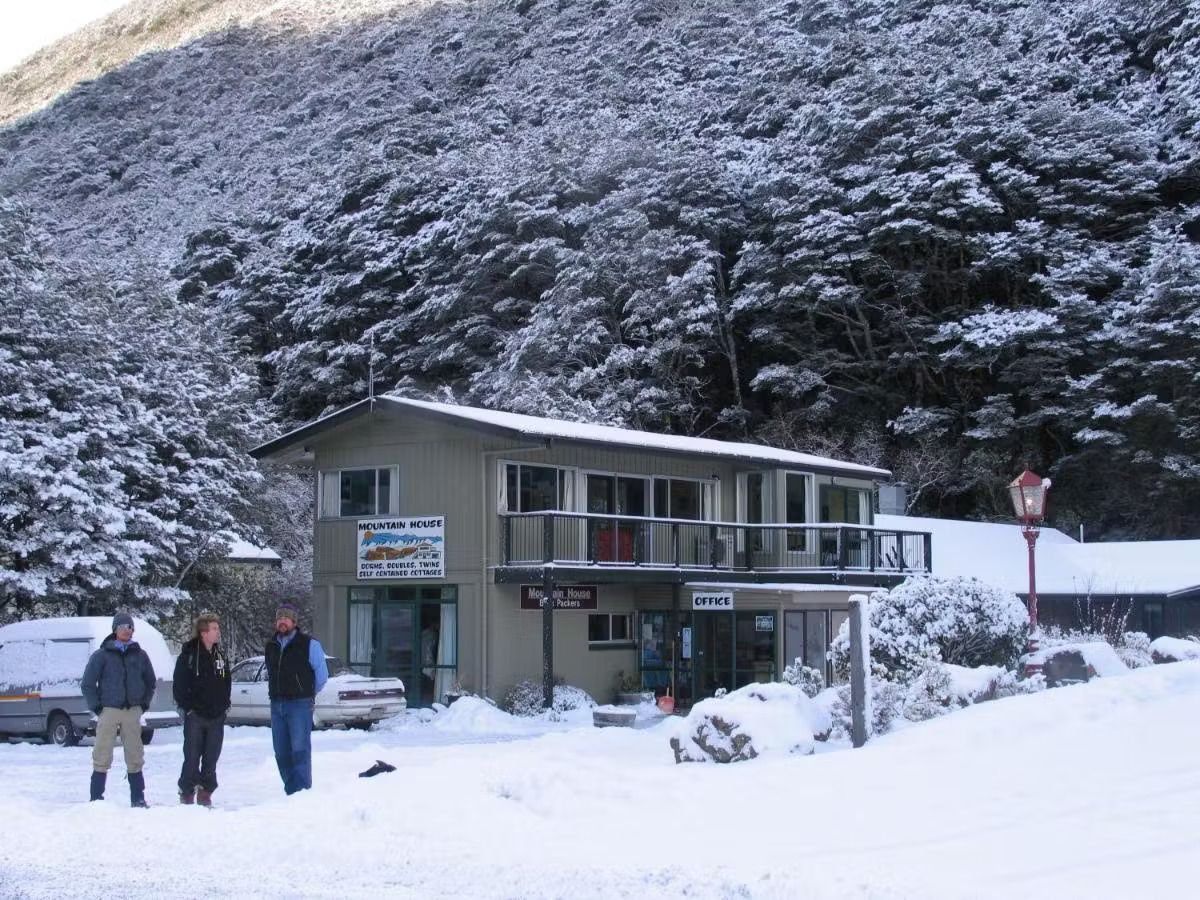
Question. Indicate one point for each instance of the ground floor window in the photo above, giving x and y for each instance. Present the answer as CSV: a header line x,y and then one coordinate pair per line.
x,y
714,650
610,628
409,633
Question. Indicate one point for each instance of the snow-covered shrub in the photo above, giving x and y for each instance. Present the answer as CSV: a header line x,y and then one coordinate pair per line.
x,y
758,719
954,620
887,705
525,698
1169,649
807,679
1132,647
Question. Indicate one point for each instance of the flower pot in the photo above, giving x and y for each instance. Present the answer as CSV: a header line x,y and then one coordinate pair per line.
x,y
634,698
666,704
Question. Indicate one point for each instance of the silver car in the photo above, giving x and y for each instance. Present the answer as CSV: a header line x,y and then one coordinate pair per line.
x,y
347,698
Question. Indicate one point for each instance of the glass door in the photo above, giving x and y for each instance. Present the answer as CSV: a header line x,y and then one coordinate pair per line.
x,y
620,495
712,647
394,655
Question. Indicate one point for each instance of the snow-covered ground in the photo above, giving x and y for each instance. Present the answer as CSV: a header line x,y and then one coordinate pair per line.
x,y
1087,791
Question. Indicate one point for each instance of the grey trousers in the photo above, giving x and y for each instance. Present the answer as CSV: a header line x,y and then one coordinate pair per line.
x,y
202,741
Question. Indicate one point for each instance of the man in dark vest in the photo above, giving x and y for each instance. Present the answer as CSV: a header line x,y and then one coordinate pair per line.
x,y
202,688
296,672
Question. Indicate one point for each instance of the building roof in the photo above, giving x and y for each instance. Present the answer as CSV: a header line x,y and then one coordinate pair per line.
x,y
243,551
540,428
996,553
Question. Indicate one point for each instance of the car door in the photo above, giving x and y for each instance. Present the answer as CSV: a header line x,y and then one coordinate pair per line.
x,y
260,699
241,698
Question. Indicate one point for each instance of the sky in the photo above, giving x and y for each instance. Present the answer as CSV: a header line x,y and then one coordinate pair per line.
x,y
27,26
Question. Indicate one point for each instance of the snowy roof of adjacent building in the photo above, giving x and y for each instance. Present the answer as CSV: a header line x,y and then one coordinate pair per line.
x,y
241,550
541,428
996,553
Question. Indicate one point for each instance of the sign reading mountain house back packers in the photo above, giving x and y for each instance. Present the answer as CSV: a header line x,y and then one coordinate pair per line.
x,y
566,596
402,548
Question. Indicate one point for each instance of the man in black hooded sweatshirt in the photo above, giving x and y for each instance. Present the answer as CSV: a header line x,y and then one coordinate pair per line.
x,y
202,689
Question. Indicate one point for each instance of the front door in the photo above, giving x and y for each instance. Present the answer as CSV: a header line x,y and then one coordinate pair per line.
x,y
395,648
712,647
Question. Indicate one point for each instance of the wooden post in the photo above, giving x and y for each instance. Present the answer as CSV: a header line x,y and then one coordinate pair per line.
x,y
548,636
860,670
676,638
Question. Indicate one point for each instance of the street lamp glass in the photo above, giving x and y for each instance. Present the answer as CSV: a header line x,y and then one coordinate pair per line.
x,y
1028,492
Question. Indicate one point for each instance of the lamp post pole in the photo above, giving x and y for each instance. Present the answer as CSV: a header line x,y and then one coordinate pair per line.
x,y
1031,536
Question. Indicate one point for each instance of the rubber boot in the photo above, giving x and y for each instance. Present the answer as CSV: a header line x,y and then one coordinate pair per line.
x,y
137,789
97,789
203,797
187,799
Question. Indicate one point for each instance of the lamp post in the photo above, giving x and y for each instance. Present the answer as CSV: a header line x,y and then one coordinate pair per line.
x,y
1028,492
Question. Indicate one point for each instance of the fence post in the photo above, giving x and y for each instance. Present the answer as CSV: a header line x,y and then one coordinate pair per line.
x,y
712,546
547,537
860,669
508,540
675,542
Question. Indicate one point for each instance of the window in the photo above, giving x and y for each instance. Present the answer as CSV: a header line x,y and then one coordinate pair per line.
x,y
796,509
844,504
247,671
683,498
610,628
361,492
534,488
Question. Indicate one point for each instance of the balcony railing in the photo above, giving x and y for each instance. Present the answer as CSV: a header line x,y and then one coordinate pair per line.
x,y
586,539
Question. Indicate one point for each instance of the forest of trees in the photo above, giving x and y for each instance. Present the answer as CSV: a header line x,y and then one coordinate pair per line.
x,y
952,238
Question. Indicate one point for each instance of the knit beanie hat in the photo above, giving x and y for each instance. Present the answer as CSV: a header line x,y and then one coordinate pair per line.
x,y
122,619
287,610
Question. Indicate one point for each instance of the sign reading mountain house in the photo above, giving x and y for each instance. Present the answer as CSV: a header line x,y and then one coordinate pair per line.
x,y
566,596
402,548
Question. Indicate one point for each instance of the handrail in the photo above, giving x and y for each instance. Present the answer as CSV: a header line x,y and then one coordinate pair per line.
x,y
572,514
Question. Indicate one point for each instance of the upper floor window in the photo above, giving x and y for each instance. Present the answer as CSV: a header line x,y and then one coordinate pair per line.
x,y
845,504
684,498
356,493
526,488
365,492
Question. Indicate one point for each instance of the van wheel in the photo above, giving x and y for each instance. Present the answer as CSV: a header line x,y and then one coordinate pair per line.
x,y
147,735
60,731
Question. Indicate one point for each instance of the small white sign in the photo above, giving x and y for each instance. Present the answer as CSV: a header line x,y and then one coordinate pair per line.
x,y
721,601
687,643
764,623
402,548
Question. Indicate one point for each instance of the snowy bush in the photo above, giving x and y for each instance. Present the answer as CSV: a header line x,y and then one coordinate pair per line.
x,y
758,719
1132,647
954,620
887,705
525,698
1169,649
807,679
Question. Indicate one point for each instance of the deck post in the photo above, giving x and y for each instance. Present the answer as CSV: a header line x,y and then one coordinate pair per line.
x,y
860,670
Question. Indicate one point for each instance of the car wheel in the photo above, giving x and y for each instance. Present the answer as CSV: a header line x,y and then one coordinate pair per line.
x,y
147,735
60,731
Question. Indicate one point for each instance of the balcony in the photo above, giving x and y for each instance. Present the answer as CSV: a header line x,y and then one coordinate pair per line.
x,y
611,548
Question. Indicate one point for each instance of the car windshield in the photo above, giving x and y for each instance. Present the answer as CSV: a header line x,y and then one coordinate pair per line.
x,y
336,666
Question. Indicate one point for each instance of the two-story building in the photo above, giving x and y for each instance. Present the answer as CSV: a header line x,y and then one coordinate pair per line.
x,y
689,564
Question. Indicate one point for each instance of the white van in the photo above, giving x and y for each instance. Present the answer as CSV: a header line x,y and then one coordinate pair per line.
x,y
41,664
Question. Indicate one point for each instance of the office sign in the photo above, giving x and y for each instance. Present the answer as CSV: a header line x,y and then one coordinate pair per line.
x,y
712,601
566,596
402,548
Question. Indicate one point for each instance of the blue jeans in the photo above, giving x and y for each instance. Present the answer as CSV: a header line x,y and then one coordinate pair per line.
x,y
291,734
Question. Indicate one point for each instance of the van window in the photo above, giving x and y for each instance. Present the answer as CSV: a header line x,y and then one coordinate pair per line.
x,y
66,660
21,663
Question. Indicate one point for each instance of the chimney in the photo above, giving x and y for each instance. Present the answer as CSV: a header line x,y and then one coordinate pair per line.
x,y
893,498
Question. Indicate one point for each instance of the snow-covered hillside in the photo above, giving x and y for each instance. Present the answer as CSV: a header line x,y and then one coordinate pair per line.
x,y
1088,791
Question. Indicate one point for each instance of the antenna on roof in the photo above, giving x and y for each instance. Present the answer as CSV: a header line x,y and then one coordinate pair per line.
x,y
371,372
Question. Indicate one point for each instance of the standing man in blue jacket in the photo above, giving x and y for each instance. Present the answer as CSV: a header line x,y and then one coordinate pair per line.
x,y
118,684
296,672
